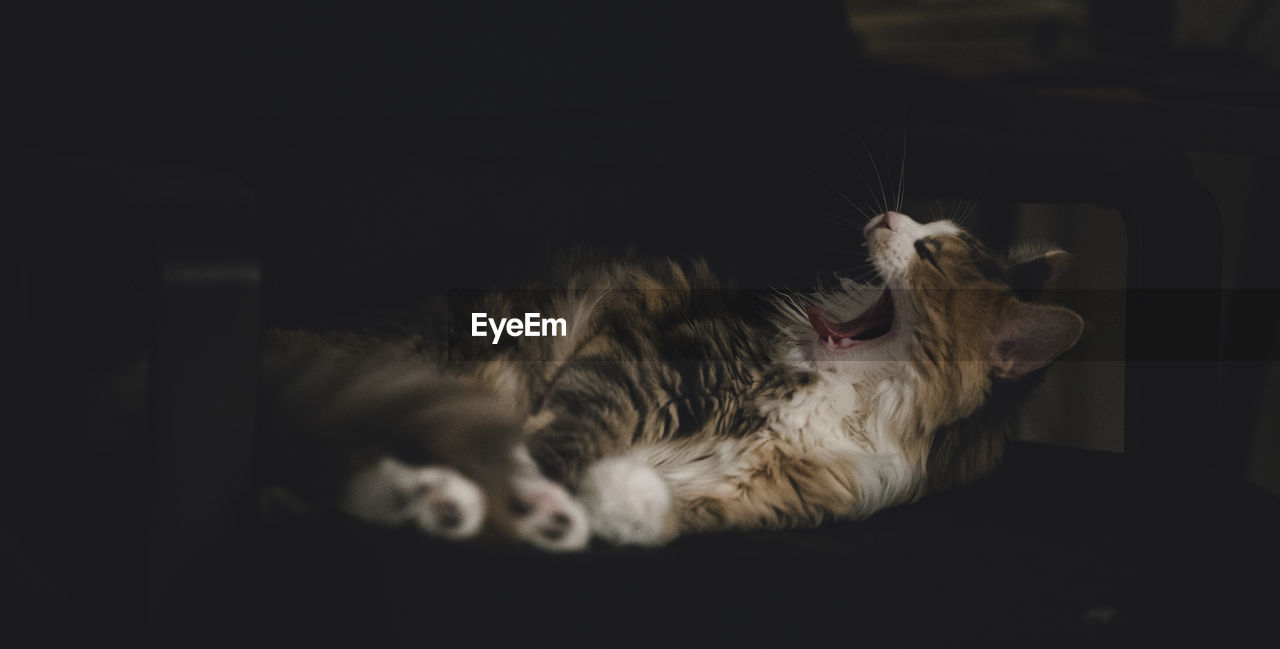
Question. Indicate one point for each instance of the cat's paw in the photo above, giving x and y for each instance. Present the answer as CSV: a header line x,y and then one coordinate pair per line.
x,y
437,499
548,517
627,502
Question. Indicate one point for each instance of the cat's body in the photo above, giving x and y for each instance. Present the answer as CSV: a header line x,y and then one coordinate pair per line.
x,y
666,413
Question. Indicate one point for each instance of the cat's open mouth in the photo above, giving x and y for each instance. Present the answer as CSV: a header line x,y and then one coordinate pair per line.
x,y
872,324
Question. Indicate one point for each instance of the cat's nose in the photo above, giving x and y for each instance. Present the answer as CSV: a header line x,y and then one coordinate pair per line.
x,y
885,221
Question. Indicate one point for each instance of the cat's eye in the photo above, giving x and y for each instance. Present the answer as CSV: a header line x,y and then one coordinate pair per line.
x,y
922,249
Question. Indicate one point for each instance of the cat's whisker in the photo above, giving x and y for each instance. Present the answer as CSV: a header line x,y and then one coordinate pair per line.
x,y
968,211
959,211
865,211
842,195
936,210
902,171
869,211
838,272
865,275
876,168
865,183
862,268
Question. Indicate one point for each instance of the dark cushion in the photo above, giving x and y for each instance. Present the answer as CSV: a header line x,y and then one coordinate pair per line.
x,y
1061,546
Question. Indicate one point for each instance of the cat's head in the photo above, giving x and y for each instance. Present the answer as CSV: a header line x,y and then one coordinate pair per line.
x,y
949,318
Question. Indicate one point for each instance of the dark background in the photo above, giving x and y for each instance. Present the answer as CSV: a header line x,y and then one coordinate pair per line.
x,y
370,153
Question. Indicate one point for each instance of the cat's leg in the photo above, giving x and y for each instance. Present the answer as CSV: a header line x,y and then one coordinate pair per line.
x,y
582,436
545,514
437,499
628,502
594,409
656,493
764,484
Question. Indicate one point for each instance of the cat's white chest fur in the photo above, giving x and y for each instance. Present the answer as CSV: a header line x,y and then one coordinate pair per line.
x,y
860,427
816,413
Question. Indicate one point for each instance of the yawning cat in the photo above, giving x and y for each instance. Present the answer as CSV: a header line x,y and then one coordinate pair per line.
x,y
664,414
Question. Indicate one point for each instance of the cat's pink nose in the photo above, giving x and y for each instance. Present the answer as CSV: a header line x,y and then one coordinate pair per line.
x,y
885,221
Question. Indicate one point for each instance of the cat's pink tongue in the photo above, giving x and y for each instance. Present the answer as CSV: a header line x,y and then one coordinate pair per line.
x,y
875,322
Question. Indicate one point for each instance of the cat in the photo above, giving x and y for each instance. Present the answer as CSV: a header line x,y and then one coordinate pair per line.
x,y
664,414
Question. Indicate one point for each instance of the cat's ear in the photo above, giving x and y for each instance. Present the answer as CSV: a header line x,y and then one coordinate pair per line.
x,y
1031,336
1029,275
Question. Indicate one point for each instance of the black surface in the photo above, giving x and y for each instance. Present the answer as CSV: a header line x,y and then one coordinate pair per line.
x,y
1061,547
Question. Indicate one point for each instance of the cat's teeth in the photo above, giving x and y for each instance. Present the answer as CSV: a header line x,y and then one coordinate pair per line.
x,y
846,342
831,340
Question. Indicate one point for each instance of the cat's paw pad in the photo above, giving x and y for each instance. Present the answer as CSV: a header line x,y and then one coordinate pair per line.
x,y
627,502
548,517
437,499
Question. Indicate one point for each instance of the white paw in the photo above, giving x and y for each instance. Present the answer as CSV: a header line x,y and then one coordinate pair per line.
x,y
627,502
437,499
548,517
